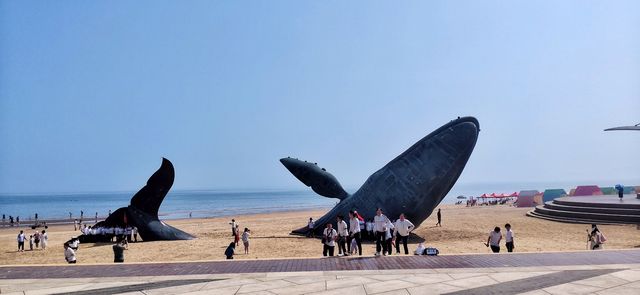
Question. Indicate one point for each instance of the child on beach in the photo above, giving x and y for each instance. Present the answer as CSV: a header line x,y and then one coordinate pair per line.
x,y
236,238
354,247
245,240
31,242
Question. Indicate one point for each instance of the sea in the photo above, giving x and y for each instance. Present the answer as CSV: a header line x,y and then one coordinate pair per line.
x,y
216,203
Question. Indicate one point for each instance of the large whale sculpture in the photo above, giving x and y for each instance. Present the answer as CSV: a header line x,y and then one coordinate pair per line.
x,y
143,210
413,183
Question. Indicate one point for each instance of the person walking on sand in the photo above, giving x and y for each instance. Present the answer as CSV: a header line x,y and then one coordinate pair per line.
x,y
36,239
31,243
508,237
69,254
380,222
403,228
21,238
439,215
355,233
245,240
44,238
343,233
311,225
494,240
329,236
75,225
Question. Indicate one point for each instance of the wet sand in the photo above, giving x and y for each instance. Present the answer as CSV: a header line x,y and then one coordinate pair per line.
x,y
464,230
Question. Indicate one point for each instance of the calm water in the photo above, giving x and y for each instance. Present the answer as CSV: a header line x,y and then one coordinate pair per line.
x,y
212,203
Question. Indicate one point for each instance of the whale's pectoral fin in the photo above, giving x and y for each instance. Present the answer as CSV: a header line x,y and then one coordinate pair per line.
x,y
149,198
320,181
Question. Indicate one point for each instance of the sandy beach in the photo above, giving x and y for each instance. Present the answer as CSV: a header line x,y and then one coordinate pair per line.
x,y
464,230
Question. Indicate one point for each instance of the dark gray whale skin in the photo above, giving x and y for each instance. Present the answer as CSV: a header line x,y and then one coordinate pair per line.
x,y
413,183
143,210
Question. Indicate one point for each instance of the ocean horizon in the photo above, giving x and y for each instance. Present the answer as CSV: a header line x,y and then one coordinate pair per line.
x,y
203,203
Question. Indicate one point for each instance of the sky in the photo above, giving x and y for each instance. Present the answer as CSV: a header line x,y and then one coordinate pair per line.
x,y
94,93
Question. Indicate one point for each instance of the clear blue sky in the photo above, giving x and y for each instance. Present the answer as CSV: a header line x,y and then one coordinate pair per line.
x,y
94,93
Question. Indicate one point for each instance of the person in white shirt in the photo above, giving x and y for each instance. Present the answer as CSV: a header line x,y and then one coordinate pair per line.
x,y
508,237
494,240
343,233
389,237
311,225
69,254
403,228
329,237
21,238
380,222
44,239
245,240
233,227
354,232
369,227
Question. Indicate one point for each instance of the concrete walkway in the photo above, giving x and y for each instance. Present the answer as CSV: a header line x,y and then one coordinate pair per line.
x,y
547,273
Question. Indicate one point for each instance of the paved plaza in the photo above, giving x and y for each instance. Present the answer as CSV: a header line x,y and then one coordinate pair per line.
x,y
597,272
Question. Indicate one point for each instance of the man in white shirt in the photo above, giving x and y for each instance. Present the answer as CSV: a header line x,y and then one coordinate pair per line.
x,y
354,231
343,233
494,240
329,237
20,239
508,237
380,222
403,228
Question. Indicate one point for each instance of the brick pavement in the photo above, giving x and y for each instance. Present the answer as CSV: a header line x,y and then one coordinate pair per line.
x,y
324,264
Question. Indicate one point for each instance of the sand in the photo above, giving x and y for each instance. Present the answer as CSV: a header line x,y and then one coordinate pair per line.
x,y
464,230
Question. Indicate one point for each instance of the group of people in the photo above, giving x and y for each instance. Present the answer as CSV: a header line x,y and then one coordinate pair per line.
x,y
108,234
12,221
39,239
495,237
348,238
237,236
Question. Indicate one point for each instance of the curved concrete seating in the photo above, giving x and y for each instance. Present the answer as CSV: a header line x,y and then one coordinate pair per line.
x,y
590,209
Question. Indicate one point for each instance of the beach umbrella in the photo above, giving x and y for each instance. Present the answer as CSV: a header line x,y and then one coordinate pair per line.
x,y
461,197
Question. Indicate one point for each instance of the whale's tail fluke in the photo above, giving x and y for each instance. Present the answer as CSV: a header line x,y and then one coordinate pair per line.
x,y
143,210
320,181
150,197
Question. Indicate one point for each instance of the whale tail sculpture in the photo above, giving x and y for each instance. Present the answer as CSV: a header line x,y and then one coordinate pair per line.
x,y
143,210
413,183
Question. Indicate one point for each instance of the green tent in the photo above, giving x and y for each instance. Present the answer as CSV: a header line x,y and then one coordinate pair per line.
x,y
609,190
551,194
